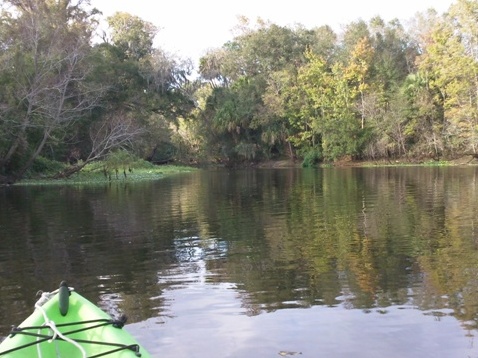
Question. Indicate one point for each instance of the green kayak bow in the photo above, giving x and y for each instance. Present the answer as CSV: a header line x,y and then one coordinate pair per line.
x,y
65,324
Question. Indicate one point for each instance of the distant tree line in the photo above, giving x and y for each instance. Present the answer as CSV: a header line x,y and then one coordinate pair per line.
x,y
376,90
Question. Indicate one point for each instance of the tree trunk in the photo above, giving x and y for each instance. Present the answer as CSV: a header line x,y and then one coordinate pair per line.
x,y
20,135
35,154
68,172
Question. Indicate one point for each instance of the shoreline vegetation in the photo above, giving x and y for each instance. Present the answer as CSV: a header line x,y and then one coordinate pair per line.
x,y
287,163
97,173
380,91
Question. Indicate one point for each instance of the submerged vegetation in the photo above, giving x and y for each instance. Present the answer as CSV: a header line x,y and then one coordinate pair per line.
x,y
375,91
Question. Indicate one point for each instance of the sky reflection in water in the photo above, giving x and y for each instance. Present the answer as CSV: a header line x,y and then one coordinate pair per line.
x,y
209,320
204,318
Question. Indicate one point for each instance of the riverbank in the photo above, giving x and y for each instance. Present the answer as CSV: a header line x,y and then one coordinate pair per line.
x,y
96,174
463,160
347,162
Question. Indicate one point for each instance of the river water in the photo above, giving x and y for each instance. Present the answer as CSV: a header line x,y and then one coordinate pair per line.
x,y
334,262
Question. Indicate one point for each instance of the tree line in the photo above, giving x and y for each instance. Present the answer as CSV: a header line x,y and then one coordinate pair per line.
x,y
376,90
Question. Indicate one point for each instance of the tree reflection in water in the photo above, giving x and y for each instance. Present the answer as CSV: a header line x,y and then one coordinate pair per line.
x,y
202,251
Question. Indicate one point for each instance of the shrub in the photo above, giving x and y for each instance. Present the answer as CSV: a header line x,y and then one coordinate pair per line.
x,y
311,158
45,166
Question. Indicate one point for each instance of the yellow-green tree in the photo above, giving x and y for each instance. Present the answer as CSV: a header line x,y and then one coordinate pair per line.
x,y
325,101
451,70
357,73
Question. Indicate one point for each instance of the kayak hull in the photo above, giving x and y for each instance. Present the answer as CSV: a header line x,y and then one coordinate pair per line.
x,y
92,330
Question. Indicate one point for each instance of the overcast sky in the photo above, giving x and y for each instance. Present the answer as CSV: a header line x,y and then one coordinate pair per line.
x,y
190,27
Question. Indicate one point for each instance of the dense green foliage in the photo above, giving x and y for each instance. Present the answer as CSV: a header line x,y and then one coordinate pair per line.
x,y
374,91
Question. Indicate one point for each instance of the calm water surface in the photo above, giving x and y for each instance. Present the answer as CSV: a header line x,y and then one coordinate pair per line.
x,y
371,262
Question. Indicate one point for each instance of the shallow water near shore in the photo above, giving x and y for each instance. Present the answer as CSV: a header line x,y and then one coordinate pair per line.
x,y
336,262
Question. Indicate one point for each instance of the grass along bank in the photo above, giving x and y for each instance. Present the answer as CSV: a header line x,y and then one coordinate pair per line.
x,y
101,172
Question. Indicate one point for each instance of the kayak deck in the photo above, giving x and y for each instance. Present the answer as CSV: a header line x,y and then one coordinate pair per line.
x,y
84,331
